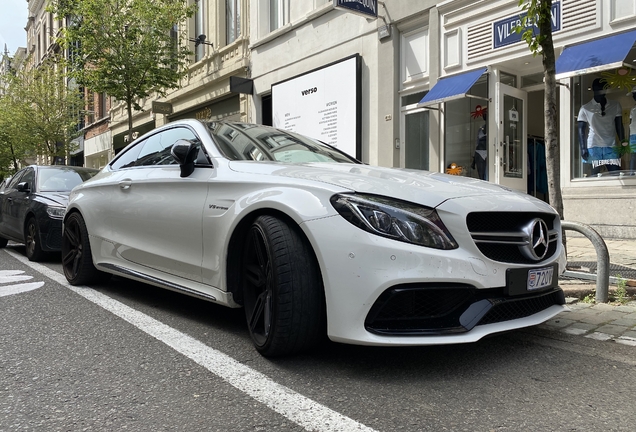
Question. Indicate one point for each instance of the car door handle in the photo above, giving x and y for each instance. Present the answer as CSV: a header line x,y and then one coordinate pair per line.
x,y
125,184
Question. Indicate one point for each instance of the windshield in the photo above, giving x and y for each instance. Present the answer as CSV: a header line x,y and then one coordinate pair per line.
x,y
261,143
62,179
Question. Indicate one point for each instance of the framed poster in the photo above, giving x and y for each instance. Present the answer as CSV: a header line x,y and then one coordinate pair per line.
x,y
324,104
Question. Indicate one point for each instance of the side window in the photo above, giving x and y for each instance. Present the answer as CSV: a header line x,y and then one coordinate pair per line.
x,y
15,179
128,158
29,178
156,150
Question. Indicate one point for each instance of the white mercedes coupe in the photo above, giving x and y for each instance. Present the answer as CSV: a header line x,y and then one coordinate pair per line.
x,y
311,242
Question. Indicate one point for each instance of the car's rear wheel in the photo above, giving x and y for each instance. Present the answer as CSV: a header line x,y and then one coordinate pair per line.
x,y
77,260
282,289
3,242
34,251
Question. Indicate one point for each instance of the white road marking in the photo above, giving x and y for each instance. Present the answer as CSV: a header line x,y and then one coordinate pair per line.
x,y
8,276
297,408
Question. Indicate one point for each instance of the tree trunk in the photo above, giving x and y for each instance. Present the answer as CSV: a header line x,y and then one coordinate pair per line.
x,y
553,154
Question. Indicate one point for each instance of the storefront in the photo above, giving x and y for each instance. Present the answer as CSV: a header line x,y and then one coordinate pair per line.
x,y
489,102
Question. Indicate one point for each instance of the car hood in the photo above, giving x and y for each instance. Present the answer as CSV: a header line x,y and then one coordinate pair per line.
x,y
423,187
53,198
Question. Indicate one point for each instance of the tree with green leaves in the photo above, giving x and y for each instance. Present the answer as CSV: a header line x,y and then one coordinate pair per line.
x,y
50,109
39,115
536,30
15,146
128,49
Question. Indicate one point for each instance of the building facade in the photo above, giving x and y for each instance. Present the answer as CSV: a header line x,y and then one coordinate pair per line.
x,y
219,35
450,87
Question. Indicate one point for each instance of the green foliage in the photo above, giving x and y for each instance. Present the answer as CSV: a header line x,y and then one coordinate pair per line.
x,y
127,49
590,298
537,14
620,294
38,116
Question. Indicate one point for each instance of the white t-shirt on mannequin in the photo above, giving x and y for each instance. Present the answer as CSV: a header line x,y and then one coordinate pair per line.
x,y
601,128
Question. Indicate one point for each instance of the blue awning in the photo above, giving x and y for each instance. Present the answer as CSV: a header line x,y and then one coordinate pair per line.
x,y
452,87
595,56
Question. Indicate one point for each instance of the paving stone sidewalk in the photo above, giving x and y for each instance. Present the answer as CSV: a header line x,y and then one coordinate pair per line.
x,y
605,321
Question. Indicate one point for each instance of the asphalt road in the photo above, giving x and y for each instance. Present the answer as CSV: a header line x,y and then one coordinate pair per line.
x,y
127,356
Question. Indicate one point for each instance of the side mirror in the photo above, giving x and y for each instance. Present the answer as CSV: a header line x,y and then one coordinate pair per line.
x,y
23,187
185,152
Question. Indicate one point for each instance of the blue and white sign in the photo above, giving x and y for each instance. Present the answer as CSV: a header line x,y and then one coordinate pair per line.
x,y
366,8
504,30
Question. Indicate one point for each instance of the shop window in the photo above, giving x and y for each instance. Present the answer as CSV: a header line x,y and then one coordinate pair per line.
x,y
603,138
508,79
466,133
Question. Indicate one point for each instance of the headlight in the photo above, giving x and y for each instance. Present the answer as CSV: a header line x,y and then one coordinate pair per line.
x,y
394,219
56,212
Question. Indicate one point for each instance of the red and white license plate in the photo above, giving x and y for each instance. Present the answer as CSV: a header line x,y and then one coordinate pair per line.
x,y
540,278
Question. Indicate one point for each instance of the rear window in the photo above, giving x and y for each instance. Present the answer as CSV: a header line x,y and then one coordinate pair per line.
x,y
62,179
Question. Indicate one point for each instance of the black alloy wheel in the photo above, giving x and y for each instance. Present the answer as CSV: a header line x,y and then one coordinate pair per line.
x,y
3,242
282,290
34,251
77,260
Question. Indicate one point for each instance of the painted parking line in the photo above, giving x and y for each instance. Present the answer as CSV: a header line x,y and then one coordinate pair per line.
x,y
292,405
9,276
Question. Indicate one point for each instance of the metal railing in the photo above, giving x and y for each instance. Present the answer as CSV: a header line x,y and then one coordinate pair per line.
x,y
602,256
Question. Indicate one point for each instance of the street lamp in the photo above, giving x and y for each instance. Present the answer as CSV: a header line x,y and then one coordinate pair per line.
x,y
200,40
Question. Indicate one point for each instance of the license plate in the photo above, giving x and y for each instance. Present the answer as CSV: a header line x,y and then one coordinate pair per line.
x,y
540,278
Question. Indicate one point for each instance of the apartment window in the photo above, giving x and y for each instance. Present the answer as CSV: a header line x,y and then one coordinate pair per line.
x,y
198,30
277,13
232,20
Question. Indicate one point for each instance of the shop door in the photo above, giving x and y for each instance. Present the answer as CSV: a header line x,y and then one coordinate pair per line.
x,y
511,168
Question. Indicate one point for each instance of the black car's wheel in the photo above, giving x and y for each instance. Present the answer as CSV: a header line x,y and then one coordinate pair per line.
x,y
34,251
282,289
77,260
3,242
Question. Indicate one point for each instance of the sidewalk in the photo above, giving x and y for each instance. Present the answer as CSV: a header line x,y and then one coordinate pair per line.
x,y
606,321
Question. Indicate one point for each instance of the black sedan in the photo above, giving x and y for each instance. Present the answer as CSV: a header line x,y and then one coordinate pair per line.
x,y
32,204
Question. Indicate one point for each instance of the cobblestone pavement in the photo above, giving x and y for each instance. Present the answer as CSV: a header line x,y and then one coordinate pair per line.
x,y
612,321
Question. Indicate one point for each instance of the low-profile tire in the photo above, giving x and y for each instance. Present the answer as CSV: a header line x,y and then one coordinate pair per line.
x,y
77,260
34,250
3,242
283,294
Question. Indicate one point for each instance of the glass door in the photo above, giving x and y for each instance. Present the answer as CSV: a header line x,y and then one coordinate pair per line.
x,y
511,169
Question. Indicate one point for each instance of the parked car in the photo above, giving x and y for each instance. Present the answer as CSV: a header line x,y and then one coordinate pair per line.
x,y
32,205
309,241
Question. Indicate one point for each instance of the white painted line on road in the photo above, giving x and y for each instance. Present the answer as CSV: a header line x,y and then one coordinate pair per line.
x,y
19,288
8,276
297,408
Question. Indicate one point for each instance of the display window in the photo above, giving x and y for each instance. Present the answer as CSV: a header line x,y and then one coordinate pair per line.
x,y
604,125
466,132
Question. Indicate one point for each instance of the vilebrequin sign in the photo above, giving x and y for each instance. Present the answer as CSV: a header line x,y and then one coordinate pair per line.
x,y
366,8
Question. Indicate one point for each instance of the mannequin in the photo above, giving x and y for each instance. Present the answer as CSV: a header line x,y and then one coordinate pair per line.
x,y
599,121
632,137
481,150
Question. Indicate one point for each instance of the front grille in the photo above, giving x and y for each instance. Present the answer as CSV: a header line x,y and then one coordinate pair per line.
x,y
427,309
500,236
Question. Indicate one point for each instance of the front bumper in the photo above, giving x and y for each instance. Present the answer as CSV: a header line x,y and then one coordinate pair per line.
x,y
362,272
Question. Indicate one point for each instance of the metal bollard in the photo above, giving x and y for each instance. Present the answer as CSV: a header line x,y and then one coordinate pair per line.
x,y
602,256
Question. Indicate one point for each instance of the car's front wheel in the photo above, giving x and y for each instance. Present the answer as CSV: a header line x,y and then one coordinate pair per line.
x,y
77,260
282,288
34,251
3,242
